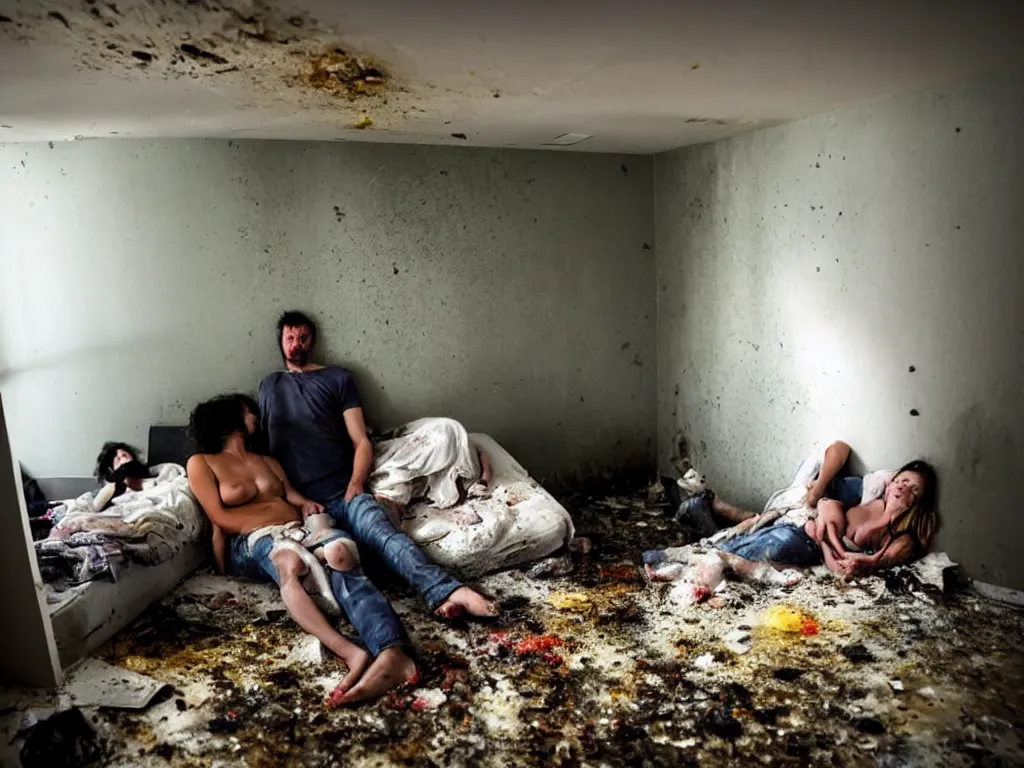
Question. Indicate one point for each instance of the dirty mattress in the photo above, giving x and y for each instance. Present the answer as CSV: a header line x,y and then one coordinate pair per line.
x,y
518,523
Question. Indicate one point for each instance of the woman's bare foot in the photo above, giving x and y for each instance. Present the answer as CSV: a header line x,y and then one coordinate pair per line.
x,y
465,600
389,670
357,661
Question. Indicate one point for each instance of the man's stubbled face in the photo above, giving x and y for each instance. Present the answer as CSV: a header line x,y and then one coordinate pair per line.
x,y
296,344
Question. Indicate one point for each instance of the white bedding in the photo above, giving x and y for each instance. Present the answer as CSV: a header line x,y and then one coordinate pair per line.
x,y
165,513
517,523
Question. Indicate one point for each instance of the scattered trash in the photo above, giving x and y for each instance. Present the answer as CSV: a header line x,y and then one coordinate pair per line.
x,y
737,641
655,496
857,653
786,618
427,698
95,683
695,513
870,725
928,692
896,685
704,661
581,545
65,739
193,612
552,567
788,674
931,568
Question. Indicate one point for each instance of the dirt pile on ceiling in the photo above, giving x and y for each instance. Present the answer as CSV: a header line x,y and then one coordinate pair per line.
x,y
285,57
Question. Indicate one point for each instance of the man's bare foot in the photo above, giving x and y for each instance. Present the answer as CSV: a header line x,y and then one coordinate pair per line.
x,y
389,670
465,600
357,661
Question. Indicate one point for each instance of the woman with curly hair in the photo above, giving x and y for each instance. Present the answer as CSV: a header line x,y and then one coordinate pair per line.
x,y
275,531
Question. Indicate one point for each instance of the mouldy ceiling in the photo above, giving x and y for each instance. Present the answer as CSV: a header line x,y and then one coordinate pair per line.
x,y
643,76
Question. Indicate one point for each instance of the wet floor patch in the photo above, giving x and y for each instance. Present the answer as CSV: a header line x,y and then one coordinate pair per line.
x,y
594,668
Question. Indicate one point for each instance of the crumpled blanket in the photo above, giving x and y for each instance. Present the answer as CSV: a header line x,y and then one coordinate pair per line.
x,y
424,459
147,527
431,465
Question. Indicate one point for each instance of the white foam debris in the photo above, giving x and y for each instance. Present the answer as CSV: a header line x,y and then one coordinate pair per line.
x,y
737,641
498,707
704,661
428,698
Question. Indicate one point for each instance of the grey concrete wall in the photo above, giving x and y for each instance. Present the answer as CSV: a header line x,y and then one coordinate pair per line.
x,y
511,290
28,655
802,271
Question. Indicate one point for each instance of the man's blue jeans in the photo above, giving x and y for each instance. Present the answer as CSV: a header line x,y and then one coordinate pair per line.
x,y
368,523
367,609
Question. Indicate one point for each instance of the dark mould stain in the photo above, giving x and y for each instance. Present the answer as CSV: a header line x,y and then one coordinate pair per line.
x,y
957,226
144,56
625,346
114,8
50,144
444,173
913,368
496,94
817,165
296,21
958,129
625,170
637,361
394,268
813,208
914,412
338,213
6,20
459,136
198,53
58,16
5,125
817,269
647,247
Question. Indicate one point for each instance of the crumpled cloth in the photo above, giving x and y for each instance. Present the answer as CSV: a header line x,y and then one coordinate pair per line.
x,y
297,538
82,557
148,527
425,459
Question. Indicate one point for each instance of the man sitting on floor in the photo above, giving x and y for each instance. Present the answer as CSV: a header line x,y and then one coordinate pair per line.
x,y
313,418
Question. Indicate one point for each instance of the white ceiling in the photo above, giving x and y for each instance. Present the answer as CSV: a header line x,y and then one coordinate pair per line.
x,y
640,76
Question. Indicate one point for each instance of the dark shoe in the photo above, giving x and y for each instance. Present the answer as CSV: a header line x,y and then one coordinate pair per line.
x,y
695,513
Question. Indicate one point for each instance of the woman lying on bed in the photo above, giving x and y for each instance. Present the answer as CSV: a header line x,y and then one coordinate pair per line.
x,y
895,529
248,497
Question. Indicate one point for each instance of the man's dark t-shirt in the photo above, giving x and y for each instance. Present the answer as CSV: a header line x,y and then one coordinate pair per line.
x,y
302,414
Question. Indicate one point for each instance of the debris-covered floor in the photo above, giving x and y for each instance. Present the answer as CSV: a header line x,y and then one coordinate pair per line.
x,y
597,668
